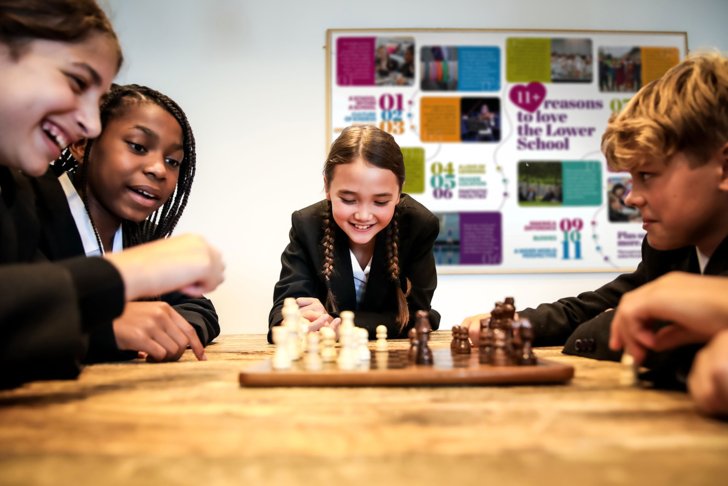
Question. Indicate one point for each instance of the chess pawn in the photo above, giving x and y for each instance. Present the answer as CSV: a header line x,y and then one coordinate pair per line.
x,y
303,327
347,320
328,344
381,360
526,332
291,316
423,328
455,343
500,354
463,341
363,353
412,353
347,356
485,346
281,358
312,359
382,344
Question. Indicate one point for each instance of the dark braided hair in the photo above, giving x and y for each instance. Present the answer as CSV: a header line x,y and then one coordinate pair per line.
x,y
379,149
22,21
161,222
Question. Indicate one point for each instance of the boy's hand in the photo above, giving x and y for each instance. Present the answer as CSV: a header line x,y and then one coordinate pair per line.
x,y
708,380
472,324
157,330
694,306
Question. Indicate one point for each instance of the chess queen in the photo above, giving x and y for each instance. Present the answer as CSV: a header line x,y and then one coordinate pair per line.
x,y
366,247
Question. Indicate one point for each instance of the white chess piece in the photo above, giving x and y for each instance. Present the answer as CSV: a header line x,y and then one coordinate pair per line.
x,y
312,360
382,344
328,345
347,356
347,320
291,316
281,358
363,352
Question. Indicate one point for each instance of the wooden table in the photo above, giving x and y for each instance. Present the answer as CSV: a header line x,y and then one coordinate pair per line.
x,y
191,423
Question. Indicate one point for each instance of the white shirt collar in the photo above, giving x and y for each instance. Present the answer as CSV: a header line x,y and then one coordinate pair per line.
x,y
83,221
360,276
703,260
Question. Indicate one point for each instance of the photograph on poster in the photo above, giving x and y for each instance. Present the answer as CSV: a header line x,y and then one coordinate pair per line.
x,y
480,119
617,190
500,133
571,60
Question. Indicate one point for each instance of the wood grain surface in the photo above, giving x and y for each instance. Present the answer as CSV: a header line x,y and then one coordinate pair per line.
x,y
191,422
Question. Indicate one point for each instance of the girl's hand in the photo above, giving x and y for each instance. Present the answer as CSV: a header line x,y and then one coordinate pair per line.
x,y
157,330
311,308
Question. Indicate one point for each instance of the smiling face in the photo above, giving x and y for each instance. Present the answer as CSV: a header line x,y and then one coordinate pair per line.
x,y
133,167
363,198
683,204
49,98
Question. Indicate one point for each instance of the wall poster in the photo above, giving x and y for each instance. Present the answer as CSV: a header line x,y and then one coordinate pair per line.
x,y
501,132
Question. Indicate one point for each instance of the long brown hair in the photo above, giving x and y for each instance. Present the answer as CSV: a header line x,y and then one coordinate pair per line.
x,y
22,21
379,149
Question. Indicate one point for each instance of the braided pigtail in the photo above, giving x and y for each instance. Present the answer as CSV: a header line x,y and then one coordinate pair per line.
x,y
394,270
328,267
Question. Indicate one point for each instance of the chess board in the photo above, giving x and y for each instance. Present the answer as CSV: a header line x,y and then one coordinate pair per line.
x,y
393,368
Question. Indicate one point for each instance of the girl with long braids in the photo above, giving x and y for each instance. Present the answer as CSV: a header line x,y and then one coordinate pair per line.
x,y
57,58
366,248
125,187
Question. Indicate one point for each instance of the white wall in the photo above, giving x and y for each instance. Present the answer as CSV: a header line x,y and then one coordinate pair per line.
x,y
251,77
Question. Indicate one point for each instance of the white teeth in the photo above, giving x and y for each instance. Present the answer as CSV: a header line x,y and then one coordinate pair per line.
x,y
362,227
145,193
55,134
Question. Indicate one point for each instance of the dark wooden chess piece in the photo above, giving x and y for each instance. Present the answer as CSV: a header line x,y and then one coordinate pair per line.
x,y
526,332
423,329
509,308
463,341
485,346
412,353
500,353
455,343
516,343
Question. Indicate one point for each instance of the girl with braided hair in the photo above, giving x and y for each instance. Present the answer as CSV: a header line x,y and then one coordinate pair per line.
x,y
126,187
57,58
367,247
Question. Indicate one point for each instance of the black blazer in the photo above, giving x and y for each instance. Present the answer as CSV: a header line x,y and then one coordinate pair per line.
x,y
582,323
60,239
46,309
303,257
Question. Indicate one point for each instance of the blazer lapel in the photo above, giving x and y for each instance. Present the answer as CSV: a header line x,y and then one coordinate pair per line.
x,y
378,282
342,281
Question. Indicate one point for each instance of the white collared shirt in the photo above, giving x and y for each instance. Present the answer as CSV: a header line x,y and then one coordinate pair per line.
x,y
83,221
360,276
703,260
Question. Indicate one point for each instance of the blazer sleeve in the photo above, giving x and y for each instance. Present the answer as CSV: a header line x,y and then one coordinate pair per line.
x,y
299,276
199,312
554,323
47,311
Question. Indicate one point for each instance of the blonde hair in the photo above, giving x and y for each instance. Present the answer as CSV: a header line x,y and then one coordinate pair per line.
x,y
686,110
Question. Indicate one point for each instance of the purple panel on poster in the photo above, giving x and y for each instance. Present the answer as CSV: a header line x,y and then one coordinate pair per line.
x,y
481,241
355,61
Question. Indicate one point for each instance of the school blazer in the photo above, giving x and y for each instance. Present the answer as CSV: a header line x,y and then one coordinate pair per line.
x,y
46,309
302,260
583,322
60,239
